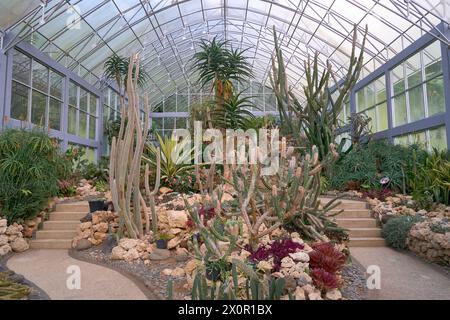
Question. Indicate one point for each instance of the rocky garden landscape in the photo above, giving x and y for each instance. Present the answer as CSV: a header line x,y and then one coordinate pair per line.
x,y
221,229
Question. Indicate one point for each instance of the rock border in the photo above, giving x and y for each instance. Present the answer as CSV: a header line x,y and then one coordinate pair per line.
x,y
36,292
150,294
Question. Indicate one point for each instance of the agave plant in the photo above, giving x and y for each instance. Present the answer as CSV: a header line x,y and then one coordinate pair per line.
x,y
217,66
235,113
174,162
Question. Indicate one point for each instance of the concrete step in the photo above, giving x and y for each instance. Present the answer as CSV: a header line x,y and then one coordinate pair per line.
x,y
51,244
66,216
73,207
364,233
367,242
347,204
353,213
61,225
350,223
55,234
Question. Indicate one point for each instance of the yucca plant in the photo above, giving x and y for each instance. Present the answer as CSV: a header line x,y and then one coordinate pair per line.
x,y
235,113
174,162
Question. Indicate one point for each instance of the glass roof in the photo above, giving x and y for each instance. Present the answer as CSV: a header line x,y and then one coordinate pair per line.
x,y
82,34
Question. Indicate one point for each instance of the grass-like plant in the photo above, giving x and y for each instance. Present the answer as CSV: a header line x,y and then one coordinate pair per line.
x,y
31,165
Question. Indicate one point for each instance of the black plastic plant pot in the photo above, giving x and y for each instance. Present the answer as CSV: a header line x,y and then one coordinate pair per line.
x,y
161,244
213,273
96,205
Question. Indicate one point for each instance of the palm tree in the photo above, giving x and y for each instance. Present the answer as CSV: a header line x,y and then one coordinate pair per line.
x,y
116,68
218,65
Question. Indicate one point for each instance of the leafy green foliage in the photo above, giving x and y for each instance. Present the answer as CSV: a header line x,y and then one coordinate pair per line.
x,y
172,167
30,166
396,230
116,68
366,164
431,177
235,113
218,65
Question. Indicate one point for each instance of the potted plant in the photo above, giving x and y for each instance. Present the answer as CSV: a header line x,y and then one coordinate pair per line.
x,y
162,239
96,205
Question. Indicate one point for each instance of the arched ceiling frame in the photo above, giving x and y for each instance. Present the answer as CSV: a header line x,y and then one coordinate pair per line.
x,y
155,27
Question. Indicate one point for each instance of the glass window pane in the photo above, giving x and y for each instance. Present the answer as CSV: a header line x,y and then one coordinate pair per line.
x,y
92,127
82,131
435,95
370,95
181,123
413,70
93,105
157,123
83,100
169,123
372,115
19,101
56,84
106,115
401,140
398,79
40,77
72,120
382,117
399,106
360,100
73,94
38,107
416,107
419,138
438,138
21,67
54,115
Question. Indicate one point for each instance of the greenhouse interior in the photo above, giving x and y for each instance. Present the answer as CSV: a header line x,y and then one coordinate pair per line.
x,y
225,150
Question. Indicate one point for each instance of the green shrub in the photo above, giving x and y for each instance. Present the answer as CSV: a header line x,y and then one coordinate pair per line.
x,y
396,230
30,167
430,179
366,164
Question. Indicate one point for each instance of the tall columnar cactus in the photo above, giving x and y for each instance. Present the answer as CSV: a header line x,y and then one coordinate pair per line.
x,y
151,194
125,159
317,119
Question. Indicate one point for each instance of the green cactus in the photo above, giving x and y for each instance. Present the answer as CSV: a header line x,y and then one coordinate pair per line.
x,y
10,290
125,159
317,119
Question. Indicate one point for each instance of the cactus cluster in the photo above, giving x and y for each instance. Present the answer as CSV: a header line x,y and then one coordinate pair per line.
x,y
125,163
10,290
255,287
262,204
317,118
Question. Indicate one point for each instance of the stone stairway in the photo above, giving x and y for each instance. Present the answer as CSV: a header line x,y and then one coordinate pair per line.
x,y
363,229
59,230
